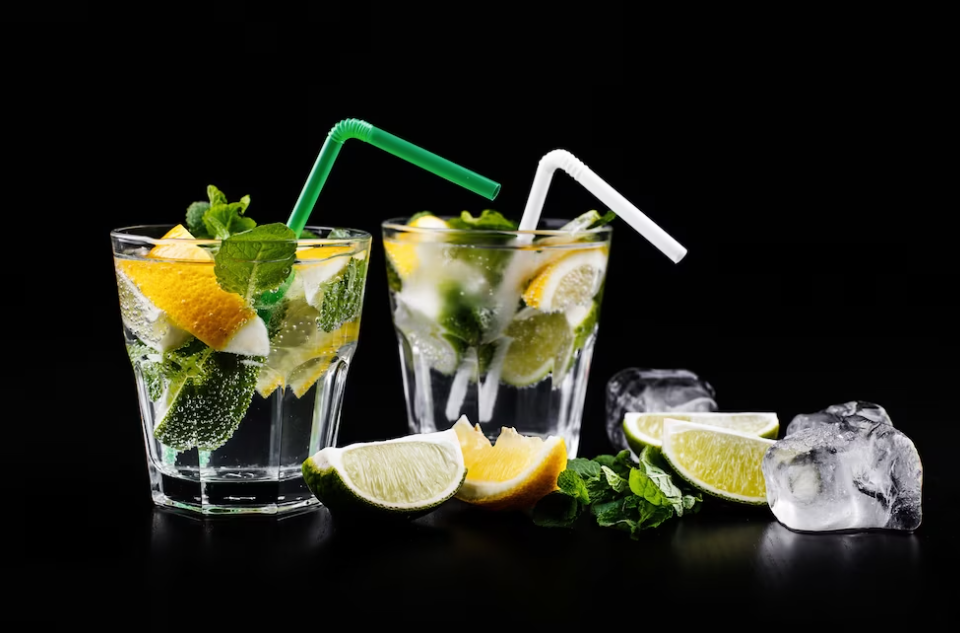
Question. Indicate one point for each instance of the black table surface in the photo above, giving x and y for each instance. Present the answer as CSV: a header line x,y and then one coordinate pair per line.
x,y
467,564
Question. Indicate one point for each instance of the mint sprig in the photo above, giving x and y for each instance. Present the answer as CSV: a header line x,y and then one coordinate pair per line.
x,y
255,261
617,492
218,219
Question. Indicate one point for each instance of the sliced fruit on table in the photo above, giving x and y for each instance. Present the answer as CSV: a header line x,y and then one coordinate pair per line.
x,y
721,462
646,428
183,285
569,281
404,477
511,474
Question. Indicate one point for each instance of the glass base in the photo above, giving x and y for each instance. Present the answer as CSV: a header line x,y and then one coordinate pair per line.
x,y
285,509
229,498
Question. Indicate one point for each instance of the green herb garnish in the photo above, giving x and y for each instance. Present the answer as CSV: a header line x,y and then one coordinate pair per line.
x,y
255,261
203,394
488,220
618,493
218,219
340,299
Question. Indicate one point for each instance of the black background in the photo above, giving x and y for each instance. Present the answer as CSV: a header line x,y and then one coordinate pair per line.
x,y
801,159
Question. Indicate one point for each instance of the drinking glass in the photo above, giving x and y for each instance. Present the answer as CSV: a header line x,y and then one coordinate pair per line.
x,y
237,389
498,326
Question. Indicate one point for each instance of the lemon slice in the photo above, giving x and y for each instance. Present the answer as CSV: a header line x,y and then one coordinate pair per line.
x,y
180,250
646,428
512,474
332,260
403,477
572,280
401,249
721,462
185,289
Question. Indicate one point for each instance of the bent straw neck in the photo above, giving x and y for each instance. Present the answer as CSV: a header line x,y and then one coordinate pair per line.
x,y
363,131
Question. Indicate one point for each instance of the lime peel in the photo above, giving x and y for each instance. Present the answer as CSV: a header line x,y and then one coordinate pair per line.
x,y
403,477
720,462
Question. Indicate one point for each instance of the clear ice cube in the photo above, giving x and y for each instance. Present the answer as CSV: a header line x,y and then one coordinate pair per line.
x,y
855,474
837,412
637,389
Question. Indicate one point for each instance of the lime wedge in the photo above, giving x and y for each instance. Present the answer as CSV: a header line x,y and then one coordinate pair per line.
x,y
542,343
404,477
721,462
645,429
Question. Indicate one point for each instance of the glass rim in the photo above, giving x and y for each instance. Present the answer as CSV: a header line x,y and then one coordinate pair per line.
x,y
399,224
129,233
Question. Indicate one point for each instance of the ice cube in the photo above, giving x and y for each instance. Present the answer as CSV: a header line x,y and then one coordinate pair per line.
x,y
636,389
855,474
836,412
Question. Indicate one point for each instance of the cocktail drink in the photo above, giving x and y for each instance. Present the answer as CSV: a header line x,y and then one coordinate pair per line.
x,y
497,319
240,337
496,324
238,381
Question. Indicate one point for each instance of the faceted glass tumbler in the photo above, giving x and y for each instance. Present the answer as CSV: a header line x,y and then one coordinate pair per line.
x,y
238,385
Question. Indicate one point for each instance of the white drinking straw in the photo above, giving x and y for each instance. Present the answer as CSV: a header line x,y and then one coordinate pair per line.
x,y
562,159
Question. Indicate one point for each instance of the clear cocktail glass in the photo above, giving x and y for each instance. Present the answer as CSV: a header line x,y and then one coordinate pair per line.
x,y
496,325
238,387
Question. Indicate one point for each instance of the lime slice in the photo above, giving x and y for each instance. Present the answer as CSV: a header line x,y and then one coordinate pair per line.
x,y
542,343
645,429
721,462
206,399
403,477
582,320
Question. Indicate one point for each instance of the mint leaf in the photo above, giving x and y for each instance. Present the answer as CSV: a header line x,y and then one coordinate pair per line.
x,y
195,220
488,220
586,467
394,282
207,395
557,509
617,483
616,514
342,297
572,484
652,515
656,488
215,195
308,235
621,463
255,261
607,218
224,220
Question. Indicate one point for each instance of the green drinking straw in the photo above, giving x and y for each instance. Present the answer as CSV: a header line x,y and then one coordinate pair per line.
x,y
355,128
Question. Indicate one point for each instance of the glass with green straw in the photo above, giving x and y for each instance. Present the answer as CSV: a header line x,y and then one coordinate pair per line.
x,y
238,388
